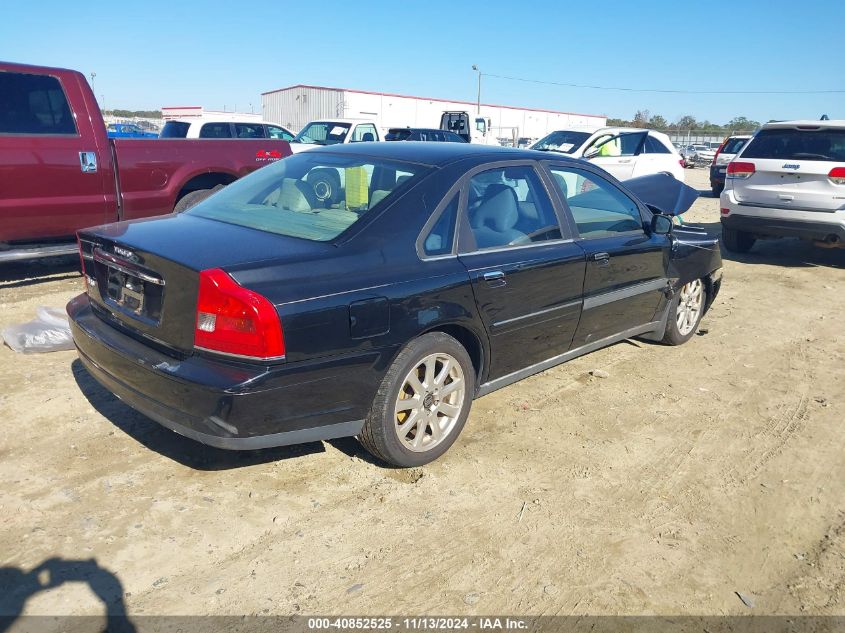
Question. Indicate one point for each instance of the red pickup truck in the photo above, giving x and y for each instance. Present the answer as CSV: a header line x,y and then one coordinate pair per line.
x,y
59,171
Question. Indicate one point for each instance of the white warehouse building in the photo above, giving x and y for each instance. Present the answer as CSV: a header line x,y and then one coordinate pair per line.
x,y
295,106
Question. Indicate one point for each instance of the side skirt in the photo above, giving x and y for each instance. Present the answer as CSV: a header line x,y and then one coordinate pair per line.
x,y
655,328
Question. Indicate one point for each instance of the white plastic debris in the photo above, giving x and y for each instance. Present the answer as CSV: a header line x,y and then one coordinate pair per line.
x,y
48,332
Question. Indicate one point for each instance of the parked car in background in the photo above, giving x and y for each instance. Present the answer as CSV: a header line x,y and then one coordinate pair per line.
x,y
215,127
788,181
702,154
128,130
59,172
623,152
335,132
727,151
444,272
422,134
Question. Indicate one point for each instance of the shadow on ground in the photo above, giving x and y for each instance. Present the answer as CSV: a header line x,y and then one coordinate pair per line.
x,y
172,445
18,586
31,272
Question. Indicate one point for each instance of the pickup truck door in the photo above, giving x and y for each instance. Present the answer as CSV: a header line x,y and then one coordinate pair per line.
x,y
54,171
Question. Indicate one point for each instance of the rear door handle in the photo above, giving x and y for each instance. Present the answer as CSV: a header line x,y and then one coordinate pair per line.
x,y
602,259
495,278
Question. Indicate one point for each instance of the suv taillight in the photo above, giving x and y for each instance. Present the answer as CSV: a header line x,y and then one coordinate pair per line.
x,y
837,175
740,170
236,321
718,151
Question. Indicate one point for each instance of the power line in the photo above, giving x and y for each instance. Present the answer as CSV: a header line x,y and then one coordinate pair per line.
x,y
687,92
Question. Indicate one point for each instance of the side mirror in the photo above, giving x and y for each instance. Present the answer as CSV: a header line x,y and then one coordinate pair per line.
x,y
591,153
661,224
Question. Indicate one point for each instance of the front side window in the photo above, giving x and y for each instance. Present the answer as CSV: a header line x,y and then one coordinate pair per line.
x,y
249,130
34,104
323,133
364,132
627,144
310,195
508,206
215,130
598,208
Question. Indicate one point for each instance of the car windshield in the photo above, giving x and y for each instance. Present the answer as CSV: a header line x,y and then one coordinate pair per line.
x,y
311,195
797,144
323,133
733,145
565,141
175,129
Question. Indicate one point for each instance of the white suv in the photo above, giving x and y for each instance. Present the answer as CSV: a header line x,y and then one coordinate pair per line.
x,y
219,127
789,181
623,152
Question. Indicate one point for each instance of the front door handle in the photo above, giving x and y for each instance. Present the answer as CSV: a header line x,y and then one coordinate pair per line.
x,y
495,278
602,259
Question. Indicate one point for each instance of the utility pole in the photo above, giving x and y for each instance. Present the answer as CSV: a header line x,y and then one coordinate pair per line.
x,y
478,103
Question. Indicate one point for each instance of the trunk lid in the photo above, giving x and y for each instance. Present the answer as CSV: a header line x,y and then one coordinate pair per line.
x,y
791,169
143,276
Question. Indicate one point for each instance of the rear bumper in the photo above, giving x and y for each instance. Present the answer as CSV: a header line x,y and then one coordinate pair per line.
x,y
779,227
226,405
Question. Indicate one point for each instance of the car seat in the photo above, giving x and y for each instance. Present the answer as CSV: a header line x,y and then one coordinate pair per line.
x,y
494,220
368,136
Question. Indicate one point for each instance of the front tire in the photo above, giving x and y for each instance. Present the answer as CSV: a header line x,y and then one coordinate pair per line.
x,y
685,312
737,241
422,403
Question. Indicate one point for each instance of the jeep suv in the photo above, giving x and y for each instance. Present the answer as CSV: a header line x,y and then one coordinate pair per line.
x,y
789,181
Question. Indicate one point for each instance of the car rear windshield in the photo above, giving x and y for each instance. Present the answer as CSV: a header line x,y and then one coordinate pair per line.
x,y
311,195
733,145
796,144
175,129
562,141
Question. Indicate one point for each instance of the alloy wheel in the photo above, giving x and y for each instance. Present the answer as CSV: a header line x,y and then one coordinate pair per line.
x,y
690,303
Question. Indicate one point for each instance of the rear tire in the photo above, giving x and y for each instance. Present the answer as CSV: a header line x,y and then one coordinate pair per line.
x,y
422,403
737,241
194,198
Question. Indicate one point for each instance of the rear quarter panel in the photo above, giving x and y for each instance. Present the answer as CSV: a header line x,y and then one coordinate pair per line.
x,y
152,173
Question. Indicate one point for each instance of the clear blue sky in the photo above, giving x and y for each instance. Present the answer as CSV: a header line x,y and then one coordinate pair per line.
x,y
214,53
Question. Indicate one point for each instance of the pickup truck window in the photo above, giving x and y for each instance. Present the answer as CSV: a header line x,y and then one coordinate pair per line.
x,y
323,133
311,196
175,129
216,130
249,130
33,104
364,132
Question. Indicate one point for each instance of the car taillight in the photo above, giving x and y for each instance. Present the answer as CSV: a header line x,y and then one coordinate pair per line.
x,y
236,321
716,155
681,162
837,175
740,170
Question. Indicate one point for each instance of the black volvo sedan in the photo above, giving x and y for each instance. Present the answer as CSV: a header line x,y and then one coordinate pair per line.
x,y
375,290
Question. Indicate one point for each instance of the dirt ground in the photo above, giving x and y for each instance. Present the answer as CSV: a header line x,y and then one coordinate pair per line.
x,y
687,475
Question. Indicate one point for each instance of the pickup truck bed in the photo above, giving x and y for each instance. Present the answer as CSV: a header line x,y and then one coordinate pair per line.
x,y
59,171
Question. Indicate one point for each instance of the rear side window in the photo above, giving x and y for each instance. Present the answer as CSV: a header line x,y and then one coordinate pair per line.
x,y
249,130
795,144
215,130
33,104
175,129
653,146
439,239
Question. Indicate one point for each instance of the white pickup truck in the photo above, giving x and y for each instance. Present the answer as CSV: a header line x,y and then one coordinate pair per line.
x,y
335,131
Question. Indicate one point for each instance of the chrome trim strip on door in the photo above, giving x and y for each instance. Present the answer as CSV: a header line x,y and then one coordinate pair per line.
x,y
624,293
565,306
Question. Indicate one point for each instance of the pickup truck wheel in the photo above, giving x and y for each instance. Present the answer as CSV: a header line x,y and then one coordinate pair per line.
x,y
685,312
422,403
194,198
737,241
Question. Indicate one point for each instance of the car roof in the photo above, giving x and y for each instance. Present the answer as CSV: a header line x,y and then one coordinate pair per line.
x,y
808,123
222,119
435,154
417,129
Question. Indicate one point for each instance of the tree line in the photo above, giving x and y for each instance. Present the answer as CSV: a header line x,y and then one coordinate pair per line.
x,y
644,119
